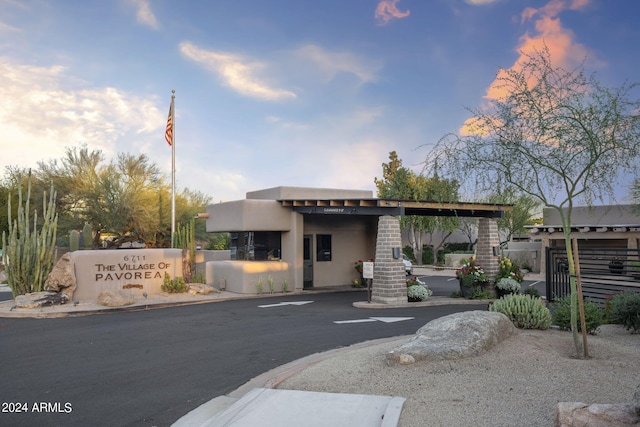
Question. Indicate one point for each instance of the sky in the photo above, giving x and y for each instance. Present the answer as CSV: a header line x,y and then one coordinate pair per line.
x,y
280,92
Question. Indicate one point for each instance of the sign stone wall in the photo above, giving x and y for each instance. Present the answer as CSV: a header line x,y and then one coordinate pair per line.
x,y
140,270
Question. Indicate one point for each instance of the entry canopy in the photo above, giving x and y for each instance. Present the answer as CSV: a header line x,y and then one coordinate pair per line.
x,y
396,207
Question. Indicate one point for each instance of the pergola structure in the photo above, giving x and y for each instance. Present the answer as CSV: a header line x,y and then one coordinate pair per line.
x,y
389,278
397,207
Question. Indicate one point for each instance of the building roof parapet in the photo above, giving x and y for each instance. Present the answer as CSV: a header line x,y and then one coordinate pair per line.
x,y
585,228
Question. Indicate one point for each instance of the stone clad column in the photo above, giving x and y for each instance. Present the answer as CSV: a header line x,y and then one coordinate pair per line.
x,y
488,239
389,280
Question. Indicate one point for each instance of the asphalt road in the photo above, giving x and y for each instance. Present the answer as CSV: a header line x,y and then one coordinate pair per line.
x,y
150,368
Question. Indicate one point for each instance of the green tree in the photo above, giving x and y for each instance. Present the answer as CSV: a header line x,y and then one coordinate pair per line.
x,y
469,227
555,135
126,198
525,207
401,183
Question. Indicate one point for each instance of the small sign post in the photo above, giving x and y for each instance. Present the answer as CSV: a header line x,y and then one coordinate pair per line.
x,y
367,273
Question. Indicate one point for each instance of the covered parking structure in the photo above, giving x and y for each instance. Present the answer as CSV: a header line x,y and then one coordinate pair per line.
x,y
311,237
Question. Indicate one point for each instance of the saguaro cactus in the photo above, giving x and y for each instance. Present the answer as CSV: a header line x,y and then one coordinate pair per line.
x,y
87,237
74,240
26,253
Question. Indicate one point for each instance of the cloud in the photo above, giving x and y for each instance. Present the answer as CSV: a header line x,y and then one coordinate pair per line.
x,y
332,63
480,2
40,117
563,48
6,28
144,13
342,150
387,10
236,72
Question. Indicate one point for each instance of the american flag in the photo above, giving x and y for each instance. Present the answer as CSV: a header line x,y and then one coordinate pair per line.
x,y
168,134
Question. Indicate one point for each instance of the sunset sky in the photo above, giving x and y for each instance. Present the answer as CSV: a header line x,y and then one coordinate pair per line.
x,y
280,92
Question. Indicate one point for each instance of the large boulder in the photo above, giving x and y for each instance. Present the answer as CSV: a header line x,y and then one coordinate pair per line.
x,y
63,277
577,414
453,337
40,299
115,298
200,289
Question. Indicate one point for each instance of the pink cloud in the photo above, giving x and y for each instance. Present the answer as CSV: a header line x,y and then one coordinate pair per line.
x,y
563,49
549,32
387,10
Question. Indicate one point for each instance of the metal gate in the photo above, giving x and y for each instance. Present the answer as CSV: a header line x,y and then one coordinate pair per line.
x,y
604,272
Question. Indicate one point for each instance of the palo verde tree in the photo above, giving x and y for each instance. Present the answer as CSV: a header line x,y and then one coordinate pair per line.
x,y
556,135
401,183
522,214
126,198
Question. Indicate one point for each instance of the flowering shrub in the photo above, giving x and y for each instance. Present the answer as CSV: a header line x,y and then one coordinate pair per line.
x,y
415,282
358,265
471,273
417,289
507,284
509,269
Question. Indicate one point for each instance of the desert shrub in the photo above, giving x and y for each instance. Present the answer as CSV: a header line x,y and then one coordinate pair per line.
x,y
532,292
419,292
525,312
427,255
173,286
479,292
593,315
507,284
624,309
408,251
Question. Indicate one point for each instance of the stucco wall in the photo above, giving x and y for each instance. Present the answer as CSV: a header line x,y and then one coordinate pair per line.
x,y
242,276
301,193
353,239
248,215
596,215
114,270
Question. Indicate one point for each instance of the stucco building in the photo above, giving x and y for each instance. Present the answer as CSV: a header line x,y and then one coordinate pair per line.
x,y
608,226
297,238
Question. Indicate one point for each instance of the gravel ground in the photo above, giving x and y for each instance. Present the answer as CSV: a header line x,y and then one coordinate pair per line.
x,y
517,383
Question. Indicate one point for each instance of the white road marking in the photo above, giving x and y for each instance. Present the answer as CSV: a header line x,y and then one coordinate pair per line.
x,y
281,304
392,319
340,322
375,319
535,283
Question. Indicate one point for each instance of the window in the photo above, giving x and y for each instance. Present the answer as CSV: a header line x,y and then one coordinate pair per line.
x,y
256,245
323,247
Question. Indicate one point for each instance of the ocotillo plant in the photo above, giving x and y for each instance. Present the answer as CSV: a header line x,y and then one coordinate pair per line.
x,y
26,253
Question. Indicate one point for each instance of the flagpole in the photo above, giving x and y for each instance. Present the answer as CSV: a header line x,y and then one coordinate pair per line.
x,y
173,168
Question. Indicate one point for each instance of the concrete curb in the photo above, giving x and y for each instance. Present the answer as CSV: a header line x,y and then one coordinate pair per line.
x,y
431,301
